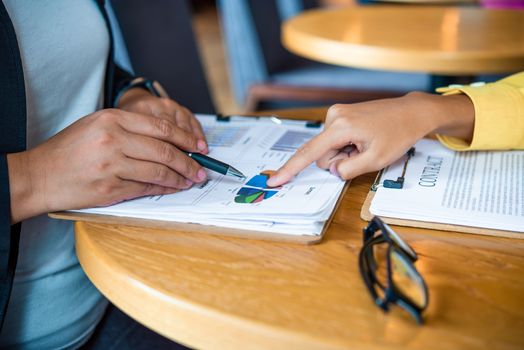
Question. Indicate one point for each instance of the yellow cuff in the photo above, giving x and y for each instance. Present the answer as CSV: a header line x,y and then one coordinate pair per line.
x,y
499,117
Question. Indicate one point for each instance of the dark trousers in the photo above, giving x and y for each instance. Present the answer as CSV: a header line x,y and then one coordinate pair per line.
x,y
118,331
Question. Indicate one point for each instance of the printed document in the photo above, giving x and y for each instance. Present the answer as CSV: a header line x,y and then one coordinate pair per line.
x,y
480,189
255,146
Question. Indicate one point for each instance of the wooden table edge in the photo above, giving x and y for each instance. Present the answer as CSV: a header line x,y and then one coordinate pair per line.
x,y
362,56
245,331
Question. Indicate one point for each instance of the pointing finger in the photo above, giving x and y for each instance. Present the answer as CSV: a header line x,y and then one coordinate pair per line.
x,y
305,155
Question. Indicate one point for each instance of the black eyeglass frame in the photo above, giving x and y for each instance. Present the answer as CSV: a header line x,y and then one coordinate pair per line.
x,y
368,266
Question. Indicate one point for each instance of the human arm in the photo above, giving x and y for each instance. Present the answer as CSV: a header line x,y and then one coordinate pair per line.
x,y
475,117
104,158
379,132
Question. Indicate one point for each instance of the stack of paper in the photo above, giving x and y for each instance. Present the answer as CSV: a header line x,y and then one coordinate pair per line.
x,y
255,147
479,189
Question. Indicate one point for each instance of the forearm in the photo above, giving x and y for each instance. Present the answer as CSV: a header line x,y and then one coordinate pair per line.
x,y
380,131
457,117
452,115
25,202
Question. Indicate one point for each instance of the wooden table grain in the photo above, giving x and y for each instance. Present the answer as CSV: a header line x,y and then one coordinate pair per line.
x,y
456,41
217,292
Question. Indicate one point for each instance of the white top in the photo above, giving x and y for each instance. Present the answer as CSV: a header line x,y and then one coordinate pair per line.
x,y
64,46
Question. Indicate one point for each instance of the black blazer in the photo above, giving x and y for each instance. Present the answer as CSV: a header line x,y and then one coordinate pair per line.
x,y
13,136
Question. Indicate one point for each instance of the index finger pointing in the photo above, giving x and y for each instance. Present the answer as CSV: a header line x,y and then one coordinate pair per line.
x,y
305,155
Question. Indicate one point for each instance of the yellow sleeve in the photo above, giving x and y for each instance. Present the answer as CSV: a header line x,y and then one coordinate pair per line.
x,y
499,115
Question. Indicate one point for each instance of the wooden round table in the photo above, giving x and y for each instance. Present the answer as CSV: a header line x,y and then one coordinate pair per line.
x,y
218,292
434,39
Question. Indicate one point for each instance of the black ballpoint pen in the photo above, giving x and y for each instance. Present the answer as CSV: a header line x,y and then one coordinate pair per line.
x,y
215,165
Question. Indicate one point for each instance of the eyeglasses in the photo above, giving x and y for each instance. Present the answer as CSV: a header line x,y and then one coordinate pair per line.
x,y
387,266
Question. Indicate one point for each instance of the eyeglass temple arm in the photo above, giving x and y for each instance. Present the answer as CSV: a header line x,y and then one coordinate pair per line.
x,y
370,230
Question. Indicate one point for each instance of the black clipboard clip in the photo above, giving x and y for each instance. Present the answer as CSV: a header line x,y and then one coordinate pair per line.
x,y
222,118
399,182
271,117
239,117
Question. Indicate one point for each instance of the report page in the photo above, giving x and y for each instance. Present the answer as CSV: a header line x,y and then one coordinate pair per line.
x,y
256,147
478,188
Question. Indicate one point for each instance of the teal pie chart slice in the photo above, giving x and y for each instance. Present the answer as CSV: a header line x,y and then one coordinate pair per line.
x,y
258,191
259,181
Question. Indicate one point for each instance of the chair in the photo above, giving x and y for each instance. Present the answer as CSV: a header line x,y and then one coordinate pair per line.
x,y
161,46
265,75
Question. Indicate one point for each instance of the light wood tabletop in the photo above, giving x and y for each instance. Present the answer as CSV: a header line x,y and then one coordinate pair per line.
x,y
218,292
434,39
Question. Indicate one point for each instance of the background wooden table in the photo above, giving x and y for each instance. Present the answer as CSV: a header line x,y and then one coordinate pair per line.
x,y
434,39
215,292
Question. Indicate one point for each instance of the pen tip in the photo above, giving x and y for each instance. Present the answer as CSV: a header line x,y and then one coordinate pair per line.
x,y
234,172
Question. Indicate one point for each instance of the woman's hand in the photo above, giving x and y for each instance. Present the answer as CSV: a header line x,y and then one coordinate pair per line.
x,y
365,137
104,158
138,100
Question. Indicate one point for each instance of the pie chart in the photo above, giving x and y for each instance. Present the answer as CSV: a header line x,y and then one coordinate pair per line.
x,y
256,189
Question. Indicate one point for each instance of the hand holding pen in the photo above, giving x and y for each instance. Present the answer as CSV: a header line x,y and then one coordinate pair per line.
x,y
191,125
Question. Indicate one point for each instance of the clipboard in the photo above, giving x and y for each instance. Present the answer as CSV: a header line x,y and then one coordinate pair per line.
x,y
212,229
199,228
366,214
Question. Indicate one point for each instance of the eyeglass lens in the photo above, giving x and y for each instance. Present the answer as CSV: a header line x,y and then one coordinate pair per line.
x,y
406,279
379,266
386,251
